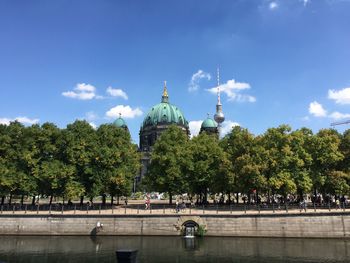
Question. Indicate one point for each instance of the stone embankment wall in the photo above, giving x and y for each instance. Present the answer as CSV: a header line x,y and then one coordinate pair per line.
x,y
328,225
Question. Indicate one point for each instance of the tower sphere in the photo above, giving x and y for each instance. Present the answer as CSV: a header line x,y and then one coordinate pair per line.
x,y
219,117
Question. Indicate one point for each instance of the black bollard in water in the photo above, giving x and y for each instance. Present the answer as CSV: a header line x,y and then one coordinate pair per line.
x,y
126,255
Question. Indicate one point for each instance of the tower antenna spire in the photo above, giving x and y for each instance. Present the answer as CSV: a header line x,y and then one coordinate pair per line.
x,y
218,87
219,115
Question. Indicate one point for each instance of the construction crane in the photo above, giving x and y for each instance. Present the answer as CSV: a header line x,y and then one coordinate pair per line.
x,y
340,123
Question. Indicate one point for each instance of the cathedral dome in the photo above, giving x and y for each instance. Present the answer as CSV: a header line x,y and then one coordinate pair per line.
x,y
120,123
164,113
209,123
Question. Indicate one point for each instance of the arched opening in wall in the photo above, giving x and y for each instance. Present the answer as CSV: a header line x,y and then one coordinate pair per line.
x,y
189,228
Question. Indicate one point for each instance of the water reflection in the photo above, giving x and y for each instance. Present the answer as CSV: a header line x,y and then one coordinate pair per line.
x,y
173,249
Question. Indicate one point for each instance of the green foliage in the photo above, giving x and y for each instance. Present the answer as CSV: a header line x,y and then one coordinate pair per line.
x,y
67,163
79,161
170,163
200,231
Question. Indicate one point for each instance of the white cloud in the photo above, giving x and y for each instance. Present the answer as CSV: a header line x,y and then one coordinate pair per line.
x,y
125,111
305,2
196,77
338,116
340,96
317,109
93,125
232,90
82,91
195,127
117,93
273,5
227,127
24,120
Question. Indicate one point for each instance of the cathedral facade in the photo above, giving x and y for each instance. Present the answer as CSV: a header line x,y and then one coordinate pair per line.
x,y
159,118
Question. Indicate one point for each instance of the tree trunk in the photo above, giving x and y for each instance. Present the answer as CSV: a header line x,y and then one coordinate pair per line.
x,y
229,197
104,199
33,200
10,200
117,199
112,196
237,198
2,200
205,197
81,200
50,199
170,198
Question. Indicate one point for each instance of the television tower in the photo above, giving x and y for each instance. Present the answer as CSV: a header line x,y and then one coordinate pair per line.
x,y
219,115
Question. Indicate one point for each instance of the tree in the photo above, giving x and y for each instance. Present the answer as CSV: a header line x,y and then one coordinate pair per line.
x,y
116,161
244,155
326,157
170,162
301,160
210,166
278,158
79,142
337,183
344,148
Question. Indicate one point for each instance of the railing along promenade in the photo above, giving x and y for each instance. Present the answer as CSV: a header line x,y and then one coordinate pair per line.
x,y
166,209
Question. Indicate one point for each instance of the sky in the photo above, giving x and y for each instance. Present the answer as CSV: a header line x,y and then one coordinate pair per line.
x,y
280,61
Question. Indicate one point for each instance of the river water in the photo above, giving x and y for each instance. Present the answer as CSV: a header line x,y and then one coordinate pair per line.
x,y
68,249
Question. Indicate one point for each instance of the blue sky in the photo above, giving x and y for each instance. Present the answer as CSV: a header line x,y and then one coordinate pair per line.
x,y
280,61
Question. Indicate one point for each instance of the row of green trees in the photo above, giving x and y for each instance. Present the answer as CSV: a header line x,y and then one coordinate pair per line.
x,y
73,162
79,161
280,161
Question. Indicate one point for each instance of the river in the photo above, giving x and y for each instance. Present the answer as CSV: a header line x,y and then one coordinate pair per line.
x,y
40,249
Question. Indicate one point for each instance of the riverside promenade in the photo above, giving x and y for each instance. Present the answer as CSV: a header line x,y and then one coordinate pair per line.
x,y
162,219
158,207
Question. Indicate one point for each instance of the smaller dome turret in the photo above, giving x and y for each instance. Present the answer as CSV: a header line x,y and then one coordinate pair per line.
x,y
120,123
209,125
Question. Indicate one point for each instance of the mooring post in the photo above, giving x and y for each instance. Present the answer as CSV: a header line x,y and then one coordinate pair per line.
x,y
37,209
112,209
25,209
163,209
259,208
329,206
150,209
13,209
273,207
217,208
203,209
245,209
75,208
62,209
87,209
286,208
314,207
138,208
125,209
2,208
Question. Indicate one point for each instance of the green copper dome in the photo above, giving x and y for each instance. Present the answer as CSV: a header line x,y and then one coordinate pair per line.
x,y
120,123
209,123
164,113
